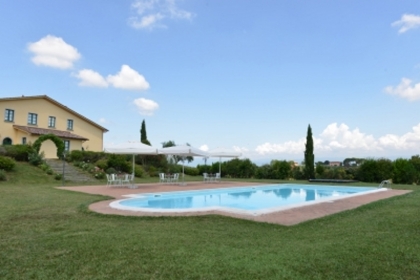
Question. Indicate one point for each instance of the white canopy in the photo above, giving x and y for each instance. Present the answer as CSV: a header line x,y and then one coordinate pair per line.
x,y
223,152
131,148
183,151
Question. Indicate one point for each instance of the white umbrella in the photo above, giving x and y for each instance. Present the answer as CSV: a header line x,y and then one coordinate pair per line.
x,y
222,152
183,151
131,148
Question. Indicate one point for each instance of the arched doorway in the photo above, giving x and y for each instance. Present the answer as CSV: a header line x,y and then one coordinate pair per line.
x,y
7,141
57,141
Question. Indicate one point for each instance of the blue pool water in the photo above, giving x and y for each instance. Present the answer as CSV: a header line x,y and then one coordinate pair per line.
x,y
249,199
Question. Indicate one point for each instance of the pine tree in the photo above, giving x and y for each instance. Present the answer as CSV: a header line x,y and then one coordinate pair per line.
x,y
309,155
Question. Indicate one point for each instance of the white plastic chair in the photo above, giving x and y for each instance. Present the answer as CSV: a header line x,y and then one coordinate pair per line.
x,y
162,178
175,178
115,180
216,177
109,181
128,178
206,177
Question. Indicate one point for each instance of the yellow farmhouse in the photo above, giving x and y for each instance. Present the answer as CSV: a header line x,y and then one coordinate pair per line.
x,y
28,117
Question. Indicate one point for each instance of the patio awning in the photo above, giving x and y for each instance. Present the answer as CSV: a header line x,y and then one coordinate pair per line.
x,y
43,131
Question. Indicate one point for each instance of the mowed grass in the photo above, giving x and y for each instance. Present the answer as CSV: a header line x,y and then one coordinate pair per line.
x,y
47,233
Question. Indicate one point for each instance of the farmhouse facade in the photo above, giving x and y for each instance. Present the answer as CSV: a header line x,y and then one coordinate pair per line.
x,y
26,118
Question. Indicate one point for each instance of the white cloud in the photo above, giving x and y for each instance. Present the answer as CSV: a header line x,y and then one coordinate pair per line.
x,y
90,78
175,12
290,147
407,22
340,139
405,90
204,148
53,52
152,13
240,149
129,79
146,106
410,140
147,22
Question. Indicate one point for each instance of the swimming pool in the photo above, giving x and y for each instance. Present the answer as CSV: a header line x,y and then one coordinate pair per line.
x,y
254,200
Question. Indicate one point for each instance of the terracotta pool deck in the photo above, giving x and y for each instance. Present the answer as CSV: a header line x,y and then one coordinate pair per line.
x,y
286,217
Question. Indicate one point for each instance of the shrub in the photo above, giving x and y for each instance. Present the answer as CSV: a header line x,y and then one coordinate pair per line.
x,y
44,166
119,162
139,171
78,164
192,171
87,156
3,151
3,175
153,172
237,168
97,172
372,170
58,176
263,171
173,168
7,163
76,155
99,175
404,172
102,164
35,158
86,166
298,173
281,169
319,170
50,172
111,170
415,161
18,152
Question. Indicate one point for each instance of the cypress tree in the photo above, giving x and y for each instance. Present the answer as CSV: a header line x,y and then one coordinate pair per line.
x,y
309,155
143,134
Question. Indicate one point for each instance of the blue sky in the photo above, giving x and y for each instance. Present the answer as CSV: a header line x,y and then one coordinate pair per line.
x,y
245,75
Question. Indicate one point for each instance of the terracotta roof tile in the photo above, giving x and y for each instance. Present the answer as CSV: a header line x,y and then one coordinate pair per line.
x,y
42,131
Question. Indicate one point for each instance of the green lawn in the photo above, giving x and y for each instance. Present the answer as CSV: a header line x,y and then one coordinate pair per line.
x,y
46,233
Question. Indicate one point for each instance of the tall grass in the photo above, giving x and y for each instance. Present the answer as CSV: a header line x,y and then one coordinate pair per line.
x,y
47,233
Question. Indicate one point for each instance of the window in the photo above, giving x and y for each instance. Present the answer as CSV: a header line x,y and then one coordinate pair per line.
x,y
32,118
23,140
51,121
70,124
66,145
9,115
